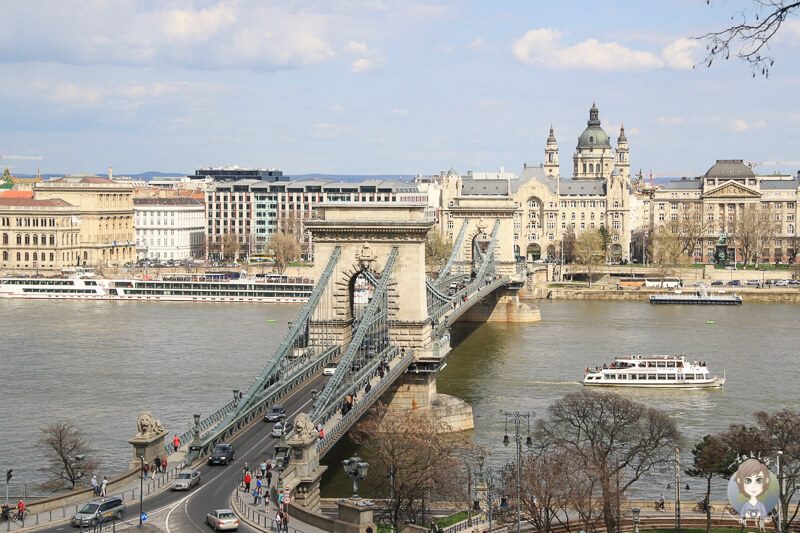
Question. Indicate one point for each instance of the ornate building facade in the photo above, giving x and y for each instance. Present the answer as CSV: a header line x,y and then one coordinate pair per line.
x,y
549,207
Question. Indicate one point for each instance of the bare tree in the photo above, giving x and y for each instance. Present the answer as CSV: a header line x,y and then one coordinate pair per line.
x,y
285,248
615,440
568,245
229,246
417,460
782,430
750,34
666,248
691,228
589,252
63,445
754,229
437,249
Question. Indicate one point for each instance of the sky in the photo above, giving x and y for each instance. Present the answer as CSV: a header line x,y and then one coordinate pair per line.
x,y
381,86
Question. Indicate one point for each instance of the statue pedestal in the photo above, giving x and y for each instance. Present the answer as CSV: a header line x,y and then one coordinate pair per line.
x,y
147,446
306,470
355,516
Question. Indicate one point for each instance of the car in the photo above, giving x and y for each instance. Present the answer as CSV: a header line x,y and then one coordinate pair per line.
x,y
735,283
96,511
781,283
276,413
717,283
186,479
330,369
281,428
222,455
753,283
222,520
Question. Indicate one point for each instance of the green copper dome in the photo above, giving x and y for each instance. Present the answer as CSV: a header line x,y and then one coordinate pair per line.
x,y
593,136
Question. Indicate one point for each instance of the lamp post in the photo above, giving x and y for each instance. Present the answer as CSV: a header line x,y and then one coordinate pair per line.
x,y
518,418
281,461
141,486
486,483
635,512
78,465
235,396
355,469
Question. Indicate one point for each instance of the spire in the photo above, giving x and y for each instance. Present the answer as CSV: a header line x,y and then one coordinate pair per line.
x,y
551,138
594,116
622,138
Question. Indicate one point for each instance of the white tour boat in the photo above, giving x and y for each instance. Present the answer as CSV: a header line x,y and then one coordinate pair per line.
x,y
176,288
653,371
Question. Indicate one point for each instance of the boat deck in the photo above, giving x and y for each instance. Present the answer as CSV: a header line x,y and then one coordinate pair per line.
x,y
694,299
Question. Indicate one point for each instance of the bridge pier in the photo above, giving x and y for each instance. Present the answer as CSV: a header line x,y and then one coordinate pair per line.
x,y
306,472
417,390
502,305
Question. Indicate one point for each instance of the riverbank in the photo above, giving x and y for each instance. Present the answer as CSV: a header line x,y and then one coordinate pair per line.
x,y
608,293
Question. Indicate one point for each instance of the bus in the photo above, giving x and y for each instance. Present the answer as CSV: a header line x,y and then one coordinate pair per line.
x,y
666,283
633,283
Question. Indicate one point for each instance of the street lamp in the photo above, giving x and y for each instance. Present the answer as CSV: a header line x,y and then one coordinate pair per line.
x,y
518,419
235,396
635,512
281,461
141,486
78,464
356,469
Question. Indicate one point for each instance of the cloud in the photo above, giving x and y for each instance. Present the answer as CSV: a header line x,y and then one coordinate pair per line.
x,y
72,93
477,43
543,47
336,108
203,24
399,112
681,54
128,94
369,59
740,125
669,120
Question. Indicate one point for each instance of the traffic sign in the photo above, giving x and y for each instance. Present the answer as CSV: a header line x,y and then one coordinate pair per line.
x,y
286,499
144,517
287,491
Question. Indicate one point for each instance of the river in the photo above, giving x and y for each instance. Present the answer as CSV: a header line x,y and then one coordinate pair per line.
x,y
101,363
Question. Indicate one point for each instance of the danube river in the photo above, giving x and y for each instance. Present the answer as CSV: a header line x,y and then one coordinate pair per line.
x,y
100,363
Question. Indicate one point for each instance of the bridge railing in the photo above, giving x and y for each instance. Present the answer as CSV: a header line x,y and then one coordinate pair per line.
x,y
347,421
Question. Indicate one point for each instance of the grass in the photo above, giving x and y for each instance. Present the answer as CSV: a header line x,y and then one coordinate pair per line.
x,y
452,519
697,530
575,284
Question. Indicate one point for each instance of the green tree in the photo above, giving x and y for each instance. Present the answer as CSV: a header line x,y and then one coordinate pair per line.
x,y
710,457
606,236
568,243
437,250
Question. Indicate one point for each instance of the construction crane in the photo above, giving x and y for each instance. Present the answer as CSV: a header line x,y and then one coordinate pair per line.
x,y
21,157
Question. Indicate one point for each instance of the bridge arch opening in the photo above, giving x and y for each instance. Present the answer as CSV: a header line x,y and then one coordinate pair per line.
x,y
359,294
480,246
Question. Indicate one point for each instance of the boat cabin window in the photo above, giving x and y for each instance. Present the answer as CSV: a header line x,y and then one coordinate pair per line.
x,y
651,364
661,364
662,376
651,376
642,376
612,376
670,364
640,365
670,376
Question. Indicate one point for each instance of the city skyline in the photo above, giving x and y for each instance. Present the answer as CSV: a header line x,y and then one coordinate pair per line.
x,y
380,87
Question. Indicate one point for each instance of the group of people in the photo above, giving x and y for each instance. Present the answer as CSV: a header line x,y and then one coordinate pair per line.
x,y
5,512
100,488
263,480
159,466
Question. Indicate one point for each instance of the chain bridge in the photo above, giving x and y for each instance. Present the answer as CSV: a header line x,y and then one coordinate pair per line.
x,y
385,323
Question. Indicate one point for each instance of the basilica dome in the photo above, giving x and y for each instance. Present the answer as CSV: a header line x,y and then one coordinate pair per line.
x,y
593,136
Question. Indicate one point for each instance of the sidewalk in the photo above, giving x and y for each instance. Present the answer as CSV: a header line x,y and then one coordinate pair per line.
x,y
262,517
129,494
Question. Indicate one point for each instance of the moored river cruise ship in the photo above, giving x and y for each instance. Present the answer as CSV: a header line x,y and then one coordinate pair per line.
x,y
175,288
653,371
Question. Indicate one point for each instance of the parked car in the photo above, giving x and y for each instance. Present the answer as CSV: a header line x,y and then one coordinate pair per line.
x,y
222,520
734,283
330,369
97,511
186,479
275,413
717,283
222,454
281,428
781,283
753,283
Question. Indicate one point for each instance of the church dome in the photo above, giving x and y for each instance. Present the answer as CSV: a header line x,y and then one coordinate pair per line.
x,y
593,136
729,169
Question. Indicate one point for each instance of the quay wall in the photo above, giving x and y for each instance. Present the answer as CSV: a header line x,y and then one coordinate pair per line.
x,y
601,293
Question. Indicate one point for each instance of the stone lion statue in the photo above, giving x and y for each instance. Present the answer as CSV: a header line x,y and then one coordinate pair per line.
x,y
304,426
147,424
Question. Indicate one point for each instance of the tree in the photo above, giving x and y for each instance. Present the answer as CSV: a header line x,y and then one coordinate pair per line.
x,y
615,440
753,231
753,29
606,236
229,246
666,248
285,248
568,243
691,228
415,458
61,444
589,251
782,429
711,457
437,249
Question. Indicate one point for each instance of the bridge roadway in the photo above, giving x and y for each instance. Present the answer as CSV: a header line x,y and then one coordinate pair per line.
x,y
186,512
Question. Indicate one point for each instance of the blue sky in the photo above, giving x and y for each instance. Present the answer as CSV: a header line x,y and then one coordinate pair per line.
x,y
380,86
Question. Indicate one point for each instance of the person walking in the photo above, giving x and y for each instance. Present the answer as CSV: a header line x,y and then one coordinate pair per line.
x,y
258,485
104,487
255,497
164,463
263,468
176,442
145,470
95,486
247,479
158,464
268,478
21,511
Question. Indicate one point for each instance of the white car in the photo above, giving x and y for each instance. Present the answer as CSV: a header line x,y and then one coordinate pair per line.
x,y
222,519
186,479
330,369
281,428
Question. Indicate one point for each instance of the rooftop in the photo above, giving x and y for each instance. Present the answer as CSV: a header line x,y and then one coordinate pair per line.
x,y
179,200
30,202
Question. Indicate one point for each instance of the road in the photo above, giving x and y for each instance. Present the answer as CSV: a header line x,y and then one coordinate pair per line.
x,y
179,512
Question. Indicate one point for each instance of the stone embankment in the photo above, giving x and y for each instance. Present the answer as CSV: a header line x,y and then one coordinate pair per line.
x,y
610,293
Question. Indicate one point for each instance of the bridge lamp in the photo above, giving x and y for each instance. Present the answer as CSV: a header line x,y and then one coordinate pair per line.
x,y
78,466
635,512
235,396
355,469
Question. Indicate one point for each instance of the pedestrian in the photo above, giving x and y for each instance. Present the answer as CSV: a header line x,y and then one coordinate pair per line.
x,y
95,486
279,520
145,470
263,467
176,442
255,497
367,388
158,464
268,477
247,479
258,485
164,463
104,487
269,466
286,521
